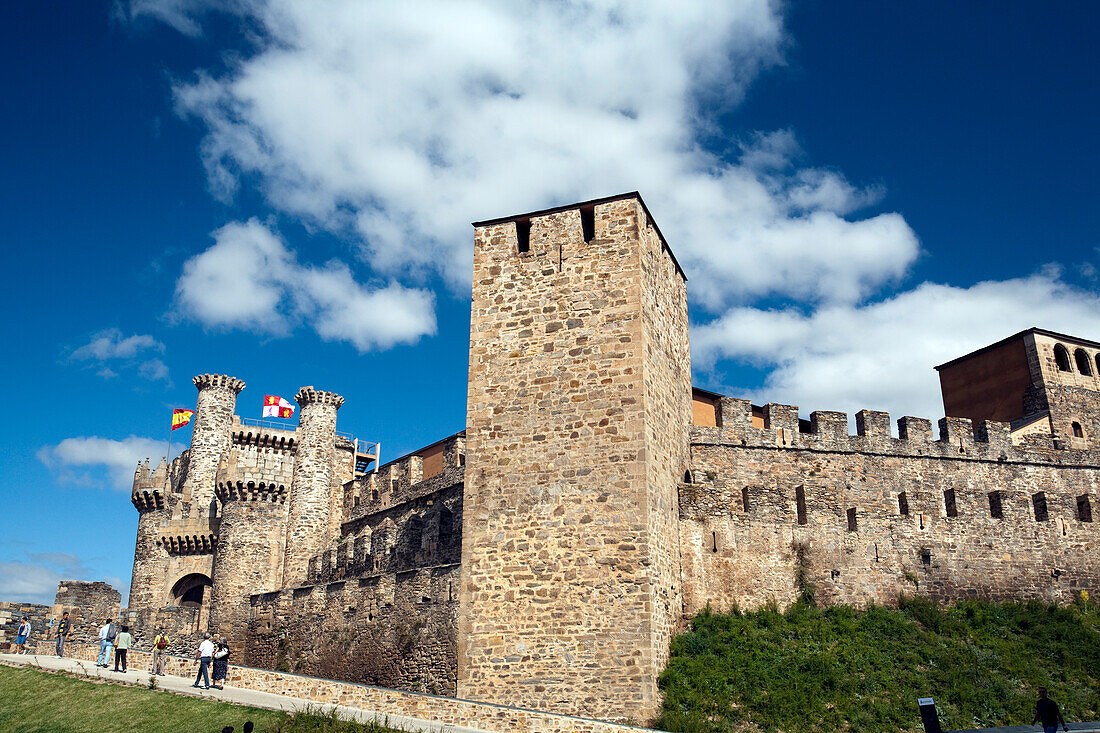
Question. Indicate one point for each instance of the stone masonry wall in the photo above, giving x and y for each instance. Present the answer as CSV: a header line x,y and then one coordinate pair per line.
x,y
880,516
12,613
668,423
558,599
89,604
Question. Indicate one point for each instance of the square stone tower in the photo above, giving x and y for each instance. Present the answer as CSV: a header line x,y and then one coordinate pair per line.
x,y
577,425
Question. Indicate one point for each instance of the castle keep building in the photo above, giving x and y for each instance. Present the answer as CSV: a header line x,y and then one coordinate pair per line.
x,y
544,556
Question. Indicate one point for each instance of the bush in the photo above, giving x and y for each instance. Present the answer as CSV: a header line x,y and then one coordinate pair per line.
x,y
814,669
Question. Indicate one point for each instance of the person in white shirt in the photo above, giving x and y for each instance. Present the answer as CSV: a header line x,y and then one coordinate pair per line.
x,y
206,650
106,641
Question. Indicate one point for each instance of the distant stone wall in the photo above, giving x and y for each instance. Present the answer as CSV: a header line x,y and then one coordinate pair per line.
x,y
12,613
865,518
467,713
88,604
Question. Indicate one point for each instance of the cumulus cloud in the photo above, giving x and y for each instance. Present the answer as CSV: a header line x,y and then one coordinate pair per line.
x,y
398,124
100,462
881,355
110,345
250,280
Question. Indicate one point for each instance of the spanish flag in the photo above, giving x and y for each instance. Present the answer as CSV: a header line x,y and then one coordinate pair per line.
x,y
275,406
181,418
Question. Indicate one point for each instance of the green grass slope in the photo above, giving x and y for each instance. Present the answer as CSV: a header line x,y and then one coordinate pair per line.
x,y
834,669
32,700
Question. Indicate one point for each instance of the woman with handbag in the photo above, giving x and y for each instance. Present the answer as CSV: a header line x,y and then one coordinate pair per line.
x,y
221,663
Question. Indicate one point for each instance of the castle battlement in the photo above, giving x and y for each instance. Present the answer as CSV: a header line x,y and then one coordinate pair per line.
x,y
218,381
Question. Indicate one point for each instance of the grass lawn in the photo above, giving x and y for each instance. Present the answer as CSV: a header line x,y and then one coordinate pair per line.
x,y
839,669
41,702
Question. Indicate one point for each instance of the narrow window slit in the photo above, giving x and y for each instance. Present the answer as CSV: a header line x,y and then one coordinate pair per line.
x,y
588,223
800,504
523,236
903,504
996,505
852,520
1039,501
1084,508
949,503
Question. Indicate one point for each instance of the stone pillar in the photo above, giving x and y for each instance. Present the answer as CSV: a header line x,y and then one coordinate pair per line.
x,y
308,523
249,556
209,439
578,412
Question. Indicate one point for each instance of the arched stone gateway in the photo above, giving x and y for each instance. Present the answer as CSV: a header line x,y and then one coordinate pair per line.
x,y
191,594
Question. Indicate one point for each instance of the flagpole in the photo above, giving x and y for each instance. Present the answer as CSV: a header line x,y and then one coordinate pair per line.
x,y
168,458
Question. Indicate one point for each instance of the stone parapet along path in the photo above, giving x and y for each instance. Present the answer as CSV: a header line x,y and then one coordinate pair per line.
x,y
364,703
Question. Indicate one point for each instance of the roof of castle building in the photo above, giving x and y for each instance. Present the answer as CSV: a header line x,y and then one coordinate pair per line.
x,y
1015,336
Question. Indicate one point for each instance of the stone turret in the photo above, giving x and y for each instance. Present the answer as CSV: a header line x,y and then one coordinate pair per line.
x,y
312,485
150,498
209,439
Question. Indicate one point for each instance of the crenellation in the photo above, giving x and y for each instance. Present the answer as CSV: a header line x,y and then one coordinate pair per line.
x,y
915,429
829,426
873,424
958,431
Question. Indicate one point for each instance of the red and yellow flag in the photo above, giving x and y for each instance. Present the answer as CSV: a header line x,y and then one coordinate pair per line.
x,y
275,406
181,418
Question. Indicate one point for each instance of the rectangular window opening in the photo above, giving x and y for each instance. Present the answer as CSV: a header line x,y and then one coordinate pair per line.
x,y
949,503
1039,501
996,505
1084,508
588,223
903,504
523,236
852,520
925,556
800,504
745,499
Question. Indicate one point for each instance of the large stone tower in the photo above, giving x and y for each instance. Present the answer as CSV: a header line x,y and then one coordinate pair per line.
x,y
209,439
578,413
311,488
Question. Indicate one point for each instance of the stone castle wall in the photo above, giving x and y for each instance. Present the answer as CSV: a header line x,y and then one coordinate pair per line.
x,y
379,606
865,518
89,604
12,613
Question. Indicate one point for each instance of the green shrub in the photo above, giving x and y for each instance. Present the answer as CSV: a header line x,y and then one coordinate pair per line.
x,y
828,669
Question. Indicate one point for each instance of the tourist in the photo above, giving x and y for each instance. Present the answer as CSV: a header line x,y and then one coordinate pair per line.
x,y
107,633
62,632
160,651
122,645
221,663
21,636
1047,713
203,655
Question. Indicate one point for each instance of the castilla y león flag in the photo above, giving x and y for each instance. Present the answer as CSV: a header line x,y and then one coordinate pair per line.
x,y
181,418
275,406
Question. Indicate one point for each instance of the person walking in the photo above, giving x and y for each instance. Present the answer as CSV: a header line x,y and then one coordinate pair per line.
x,y
62,631
221,663
107,633
204,653
21,636
160,651
1048,714
122,645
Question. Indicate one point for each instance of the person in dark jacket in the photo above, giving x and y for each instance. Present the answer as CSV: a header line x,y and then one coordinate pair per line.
x,y
62,632
1048,714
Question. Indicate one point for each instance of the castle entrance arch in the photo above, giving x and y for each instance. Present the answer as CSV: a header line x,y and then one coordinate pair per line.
x,y
191,595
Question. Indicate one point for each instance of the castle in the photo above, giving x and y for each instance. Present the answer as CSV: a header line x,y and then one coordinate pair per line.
x,y
545,556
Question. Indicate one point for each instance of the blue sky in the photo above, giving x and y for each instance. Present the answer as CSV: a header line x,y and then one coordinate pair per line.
x,y
857,192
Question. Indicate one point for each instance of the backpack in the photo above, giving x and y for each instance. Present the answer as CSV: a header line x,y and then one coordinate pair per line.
x,y
162,643
112,632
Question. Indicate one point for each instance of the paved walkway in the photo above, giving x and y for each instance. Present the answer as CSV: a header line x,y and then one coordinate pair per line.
x,y
238,695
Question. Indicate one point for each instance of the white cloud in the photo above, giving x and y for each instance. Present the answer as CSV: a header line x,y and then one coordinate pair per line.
x,y
249,279
881,355
398,124
109,345
95,461
35,580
